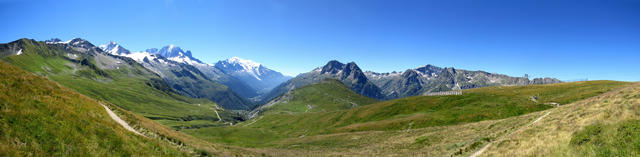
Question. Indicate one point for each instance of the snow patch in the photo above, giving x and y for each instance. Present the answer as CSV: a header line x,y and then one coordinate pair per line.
x,y
186,59
19,52
59,42
247,64
72,56
139,56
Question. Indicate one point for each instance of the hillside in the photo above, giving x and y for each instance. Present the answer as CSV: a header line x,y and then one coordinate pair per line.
x,y
41,118
328,95
291,129
56,121
604,125
119,80
607,125
349,74
474,105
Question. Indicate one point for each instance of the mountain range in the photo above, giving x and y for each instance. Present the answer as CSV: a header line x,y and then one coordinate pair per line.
x,y
252,83
257,76
412,82
88,70
177,68
224,83
241,84
431,78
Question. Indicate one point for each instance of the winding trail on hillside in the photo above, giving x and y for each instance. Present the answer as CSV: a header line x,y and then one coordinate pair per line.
x,y
253,121
479,152
120,121
219,119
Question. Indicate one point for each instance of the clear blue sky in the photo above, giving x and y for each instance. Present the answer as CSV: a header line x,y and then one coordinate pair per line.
x,y
594,39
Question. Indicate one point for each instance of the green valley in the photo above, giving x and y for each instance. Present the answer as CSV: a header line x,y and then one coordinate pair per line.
x,y
288,123
117,80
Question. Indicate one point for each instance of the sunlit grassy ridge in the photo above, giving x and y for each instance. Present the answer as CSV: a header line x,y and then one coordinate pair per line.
x,y
329,95
41,118
129,86
606,125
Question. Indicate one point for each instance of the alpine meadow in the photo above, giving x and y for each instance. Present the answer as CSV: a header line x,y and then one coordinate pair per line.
x,y
320,78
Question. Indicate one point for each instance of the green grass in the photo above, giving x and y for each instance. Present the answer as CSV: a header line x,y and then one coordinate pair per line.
x,y
41,118
619,139
605,125
239,136
474,105
490,103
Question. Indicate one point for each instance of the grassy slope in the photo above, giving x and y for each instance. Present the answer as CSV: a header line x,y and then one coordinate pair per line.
x,y
125,87
39,117
326,96
330,95
475,105
604,125
607,125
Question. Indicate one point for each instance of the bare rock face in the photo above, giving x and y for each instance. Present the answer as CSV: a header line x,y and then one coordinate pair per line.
x,y
431,78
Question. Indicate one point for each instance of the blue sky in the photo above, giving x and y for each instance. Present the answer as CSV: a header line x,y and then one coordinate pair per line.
x,y
587,39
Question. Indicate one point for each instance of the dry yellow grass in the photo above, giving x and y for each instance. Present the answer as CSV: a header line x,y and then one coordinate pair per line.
x,y
551,136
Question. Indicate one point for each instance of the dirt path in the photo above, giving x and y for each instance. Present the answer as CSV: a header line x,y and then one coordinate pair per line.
x,y
479,152
219,119
120,121
253,121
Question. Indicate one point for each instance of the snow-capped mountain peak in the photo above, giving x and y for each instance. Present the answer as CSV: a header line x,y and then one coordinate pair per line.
x,y
176,53
255,74
56,41
169,51
171,47
114,49
245,63
238,64
187,59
